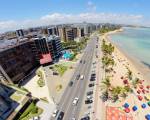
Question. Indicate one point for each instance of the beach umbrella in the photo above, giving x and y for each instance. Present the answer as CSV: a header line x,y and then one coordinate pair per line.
x,y
147,117
143,91
140,97
138,91
134,108
126,105
148,103
127,110
143,105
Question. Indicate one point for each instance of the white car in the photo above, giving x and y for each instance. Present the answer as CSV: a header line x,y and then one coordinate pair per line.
x,y
75,101
55,113
81,77
89,97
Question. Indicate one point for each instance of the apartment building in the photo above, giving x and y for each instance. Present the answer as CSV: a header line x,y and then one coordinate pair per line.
x,y
18,58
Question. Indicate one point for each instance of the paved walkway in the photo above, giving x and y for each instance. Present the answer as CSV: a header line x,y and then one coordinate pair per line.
x,y
48,110
99,110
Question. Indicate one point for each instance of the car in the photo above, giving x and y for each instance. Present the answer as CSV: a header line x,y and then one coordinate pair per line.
x,y
60,116
55,113
72,119
55,73
75,101
84,62
36,118
77,77
92,79
89,97
85,118
89,93
93,74
81,77
70,83
80,61
91,84
88,101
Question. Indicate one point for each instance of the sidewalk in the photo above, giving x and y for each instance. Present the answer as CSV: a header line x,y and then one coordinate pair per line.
x,y
99,107
47,110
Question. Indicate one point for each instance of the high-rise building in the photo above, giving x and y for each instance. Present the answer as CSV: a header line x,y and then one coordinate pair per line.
x,y
19,58
46,49
53,31
20,33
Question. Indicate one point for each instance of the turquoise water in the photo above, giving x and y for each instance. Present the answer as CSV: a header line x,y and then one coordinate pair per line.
x,y
135,42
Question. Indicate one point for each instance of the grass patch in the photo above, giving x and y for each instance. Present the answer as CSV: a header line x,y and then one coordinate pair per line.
x,y
58,87
31,111
61,69
16,97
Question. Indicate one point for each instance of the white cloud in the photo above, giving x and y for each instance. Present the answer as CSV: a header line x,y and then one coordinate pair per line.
x,y
58,18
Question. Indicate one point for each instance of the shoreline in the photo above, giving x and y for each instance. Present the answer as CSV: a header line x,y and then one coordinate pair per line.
x,y
135,64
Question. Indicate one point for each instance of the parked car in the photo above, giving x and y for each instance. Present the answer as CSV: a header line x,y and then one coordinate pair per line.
x,y
89,93
80,61
75,101
70,83
91,84
89,97
85,118
84,62
55,73
60,116
88,101
55,113
92,79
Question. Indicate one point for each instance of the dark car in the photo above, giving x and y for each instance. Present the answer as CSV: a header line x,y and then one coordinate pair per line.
x,y
55,73
93,74
88,101
85,118
89,93
91,84
92,79
70,83
78,76
84,62
60,116
80,61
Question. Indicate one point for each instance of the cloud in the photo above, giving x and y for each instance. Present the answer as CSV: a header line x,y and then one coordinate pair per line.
x,y
58,18
91,6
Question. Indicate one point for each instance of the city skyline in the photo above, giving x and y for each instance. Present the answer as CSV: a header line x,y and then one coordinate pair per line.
x,y
24,14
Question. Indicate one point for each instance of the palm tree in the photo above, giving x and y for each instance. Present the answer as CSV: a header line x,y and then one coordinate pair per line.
x,y
135,82
115,93
106,83
129,74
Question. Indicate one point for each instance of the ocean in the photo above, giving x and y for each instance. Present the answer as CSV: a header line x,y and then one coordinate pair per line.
x,y
135,42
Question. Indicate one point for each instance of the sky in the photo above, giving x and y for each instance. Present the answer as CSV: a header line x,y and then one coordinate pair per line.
x,y
15,14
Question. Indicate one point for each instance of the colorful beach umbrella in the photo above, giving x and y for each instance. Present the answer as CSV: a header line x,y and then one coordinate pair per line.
x,y
143,105
134,108
148,103
147,117
127,110
126,105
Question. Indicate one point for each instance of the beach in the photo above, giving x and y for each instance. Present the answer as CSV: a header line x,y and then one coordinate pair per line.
x,y
122,62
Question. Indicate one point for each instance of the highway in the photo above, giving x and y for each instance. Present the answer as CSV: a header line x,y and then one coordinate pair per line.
x,y
79,86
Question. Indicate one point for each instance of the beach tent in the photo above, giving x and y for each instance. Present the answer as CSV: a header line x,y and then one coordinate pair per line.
x,y
143,105
134,108
126,105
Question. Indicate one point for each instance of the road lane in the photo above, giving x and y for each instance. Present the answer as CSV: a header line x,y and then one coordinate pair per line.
x,y
79,86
